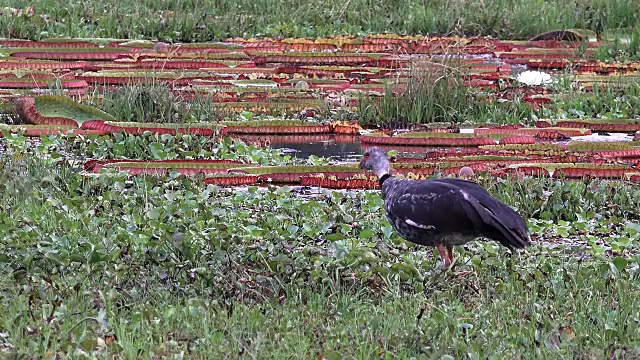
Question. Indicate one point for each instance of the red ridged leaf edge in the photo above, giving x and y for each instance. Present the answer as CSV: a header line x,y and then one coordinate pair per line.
x,y
426,141
517,140
232,180
26,109
101,125
338,183
600,126
312,129
599,173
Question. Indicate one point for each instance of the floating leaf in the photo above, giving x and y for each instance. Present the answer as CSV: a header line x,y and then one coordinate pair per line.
x,y
620,263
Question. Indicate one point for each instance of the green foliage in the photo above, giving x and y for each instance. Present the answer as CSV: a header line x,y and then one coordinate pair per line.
x,y
555,199
436,92
152,265
154,102
149,146
204,20
433,94
622,46
616,101
432,98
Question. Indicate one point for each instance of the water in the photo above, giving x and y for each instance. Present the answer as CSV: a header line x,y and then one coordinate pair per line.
x,y
348,148
340,149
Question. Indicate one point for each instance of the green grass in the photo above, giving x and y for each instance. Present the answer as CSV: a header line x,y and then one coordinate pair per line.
x,y
149,266
437,93
434,95
550,310
618,100
205,20
441,96
151,101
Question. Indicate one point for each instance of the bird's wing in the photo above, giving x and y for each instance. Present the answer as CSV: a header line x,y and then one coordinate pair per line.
x,y
452,209
430,205
508,215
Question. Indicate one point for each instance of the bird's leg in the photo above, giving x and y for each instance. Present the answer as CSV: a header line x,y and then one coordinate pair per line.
x,y
444,256
453,267
450,252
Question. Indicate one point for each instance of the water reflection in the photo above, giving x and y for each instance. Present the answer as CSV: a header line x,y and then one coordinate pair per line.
x,y
329,149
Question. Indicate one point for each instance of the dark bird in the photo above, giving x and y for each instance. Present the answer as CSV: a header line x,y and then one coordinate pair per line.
x,y
444,212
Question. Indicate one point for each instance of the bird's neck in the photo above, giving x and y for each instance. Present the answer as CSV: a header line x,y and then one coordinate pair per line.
x,y
382,168
382,171
383,178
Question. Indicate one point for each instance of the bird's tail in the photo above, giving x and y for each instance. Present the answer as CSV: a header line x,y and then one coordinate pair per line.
x,y
509,227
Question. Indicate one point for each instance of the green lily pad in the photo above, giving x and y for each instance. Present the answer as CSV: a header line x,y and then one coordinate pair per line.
x,y
260,123
53,109
600,145
59,106
256,83
173,165
165,125
295,169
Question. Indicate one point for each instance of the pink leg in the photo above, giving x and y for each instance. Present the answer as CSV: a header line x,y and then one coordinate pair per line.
x,y
444,256
450,252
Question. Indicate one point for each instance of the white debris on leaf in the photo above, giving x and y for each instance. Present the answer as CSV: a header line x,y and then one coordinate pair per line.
x,y
533,78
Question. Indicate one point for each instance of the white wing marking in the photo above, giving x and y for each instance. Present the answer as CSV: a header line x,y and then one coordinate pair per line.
x,y
426,227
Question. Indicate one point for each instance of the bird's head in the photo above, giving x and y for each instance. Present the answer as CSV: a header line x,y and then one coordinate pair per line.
x,y
466,173
375,159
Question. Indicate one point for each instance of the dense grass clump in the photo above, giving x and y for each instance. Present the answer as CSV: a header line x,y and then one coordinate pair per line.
x,y
436,91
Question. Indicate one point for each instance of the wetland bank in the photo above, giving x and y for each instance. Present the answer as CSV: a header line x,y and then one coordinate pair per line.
x,y
150,207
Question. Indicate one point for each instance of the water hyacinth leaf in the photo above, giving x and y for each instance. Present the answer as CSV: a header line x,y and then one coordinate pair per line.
x,y
619,263
367,234
387,231
334,237
157,150
632,228
55,257
293,229
153,214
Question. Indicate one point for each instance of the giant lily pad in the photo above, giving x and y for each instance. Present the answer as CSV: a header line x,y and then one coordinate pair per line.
x,y
427,139
609,125
52,109
205,129
186,167
39,130
276,127
599,145
294,173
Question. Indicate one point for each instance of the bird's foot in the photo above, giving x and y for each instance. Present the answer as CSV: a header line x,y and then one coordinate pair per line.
x,y
451,266
463,272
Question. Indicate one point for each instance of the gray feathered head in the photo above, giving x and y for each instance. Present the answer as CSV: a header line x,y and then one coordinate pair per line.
x,y
375,159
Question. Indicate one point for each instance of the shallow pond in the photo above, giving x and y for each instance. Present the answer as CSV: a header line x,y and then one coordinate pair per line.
x,y
329,147
340,150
